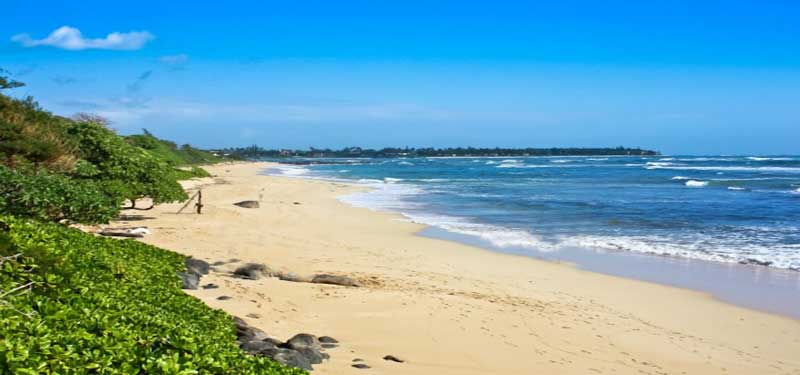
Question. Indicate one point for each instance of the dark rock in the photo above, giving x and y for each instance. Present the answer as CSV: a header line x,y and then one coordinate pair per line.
x,y
224,298
218,263
293,277
297,203
253,271
328,340
292,358
197,266
313,356
392,358
259,347
334,280
210,286
358,360
329,345
247,204
755,262
361,366
302,340
189,280
253,315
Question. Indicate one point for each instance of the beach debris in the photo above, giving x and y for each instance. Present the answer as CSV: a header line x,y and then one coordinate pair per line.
x,y
135,232
358,360
254,316
362,366
392,358
224,298
334,280
189,280
113,233
210,286
253,271
247,204
140,230
302,350
296,203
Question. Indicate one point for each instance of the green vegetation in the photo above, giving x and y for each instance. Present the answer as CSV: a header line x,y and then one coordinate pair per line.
x,y
255,152
73,303
54,197
170,152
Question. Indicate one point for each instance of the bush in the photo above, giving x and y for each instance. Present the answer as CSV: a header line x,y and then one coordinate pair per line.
x,y
138,173
170,152
54,197
83,304
187,174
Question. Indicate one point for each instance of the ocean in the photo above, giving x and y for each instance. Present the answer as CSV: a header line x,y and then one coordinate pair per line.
x,y
723,210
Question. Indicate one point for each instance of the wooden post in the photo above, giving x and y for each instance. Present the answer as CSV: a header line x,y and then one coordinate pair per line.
x,y
199,204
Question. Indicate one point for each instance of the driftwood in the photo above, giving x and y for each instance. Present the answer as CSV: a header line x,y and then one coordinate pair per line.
x,y
198,206
120,234
133,206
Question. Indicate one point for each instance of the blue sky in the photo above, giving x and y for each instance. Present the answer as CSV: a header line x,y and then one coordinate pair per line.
x,y
699,77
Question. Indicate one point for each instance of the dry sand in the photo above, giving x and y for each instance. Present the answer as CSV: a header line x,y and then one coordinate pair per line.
x,y
444,307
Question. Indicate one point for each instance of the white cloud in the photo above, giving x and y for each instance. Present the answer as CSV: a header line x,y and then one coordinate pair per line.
x,y
70,38
174,59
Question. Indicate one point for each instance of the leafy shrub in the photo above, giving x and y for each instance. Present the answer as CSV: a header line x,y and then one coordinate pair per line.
x,y
194,172
170,152
76,304
138,173
54,197
30,134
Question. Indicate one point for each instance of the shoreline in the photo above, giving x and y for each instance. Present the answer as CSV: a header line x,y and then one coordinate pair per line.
x,y
446,307
762,288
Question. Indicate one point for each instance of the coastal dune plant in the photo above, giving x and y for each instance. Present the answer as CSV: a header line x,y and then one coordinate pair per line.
x,y
49,196
73,303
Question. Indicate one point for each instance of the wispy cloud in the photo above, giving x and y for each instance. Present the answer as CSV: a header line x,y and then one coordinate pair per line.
x,y
64,80
175,62
70,38
136,85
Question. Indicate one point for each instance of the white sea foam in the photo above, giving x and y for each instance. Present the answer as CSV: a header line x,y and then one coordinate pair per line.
x,y
597,159
405,163
680,178
735,188
658,164
390,180
289,170
560,161
764,158
727,168
695,183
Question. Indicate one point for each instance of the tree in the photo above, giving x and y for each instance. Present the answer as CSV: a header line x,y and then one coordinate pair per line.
x,y
131,171
8,83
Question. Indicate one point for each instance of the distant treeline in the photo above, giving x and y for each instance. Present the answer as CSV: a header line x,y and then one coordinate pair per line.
x,y
256,152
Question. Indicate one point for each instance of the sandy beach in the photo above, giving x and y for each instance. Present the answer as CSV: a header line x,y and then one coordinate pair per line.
x,y
444,307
